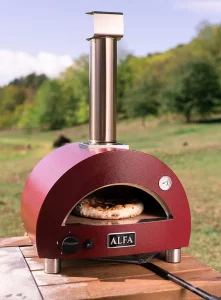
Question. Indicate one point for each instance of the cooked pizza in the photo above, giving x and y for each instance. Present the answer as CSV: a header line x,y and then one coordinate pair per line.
x,y
108,209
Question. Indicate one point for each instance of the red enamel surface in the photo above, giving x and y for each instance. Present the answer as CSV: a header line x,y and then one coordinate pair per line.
x,y
69,173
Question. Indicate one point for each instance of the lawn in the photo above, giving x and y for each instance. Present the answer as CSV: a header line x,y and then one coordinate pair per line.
x,y
198,165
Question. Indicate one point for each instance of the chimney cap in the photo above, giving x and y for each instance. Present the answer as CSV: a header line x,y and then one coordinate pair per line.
x,y
107,24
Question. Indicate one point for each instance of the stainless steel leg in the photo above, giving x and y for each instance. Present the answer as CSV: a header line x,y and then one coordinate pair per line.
x,y
52,265
173,256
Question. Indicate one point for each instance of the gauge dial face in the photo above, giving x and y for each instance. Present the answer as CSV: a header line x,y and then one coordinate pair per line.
x,y
165,183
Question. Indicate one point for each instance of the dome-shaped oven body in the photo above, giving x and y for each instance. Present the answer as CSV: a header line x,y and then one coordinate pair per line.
x,y
65,176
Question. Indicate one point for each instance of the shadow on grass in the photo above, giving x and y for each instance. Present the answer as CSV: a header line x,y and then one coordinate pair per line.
x,y
211,121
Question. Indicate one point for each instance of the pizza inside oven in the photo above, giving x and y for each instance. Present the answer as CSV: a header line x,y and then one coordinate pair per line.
x,y
108,209
118,202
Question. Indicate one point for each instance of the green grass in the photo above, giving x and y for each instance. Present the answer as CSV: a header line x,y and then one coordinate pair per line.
x,y
198,166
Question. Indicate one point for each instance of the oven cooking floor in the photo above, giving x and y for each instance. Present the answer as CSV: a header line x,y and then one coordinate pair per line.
x,y
144,217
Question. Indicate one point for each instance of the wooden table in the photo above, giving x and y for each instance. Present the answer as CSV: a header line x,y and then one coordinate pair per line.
x,y
22,277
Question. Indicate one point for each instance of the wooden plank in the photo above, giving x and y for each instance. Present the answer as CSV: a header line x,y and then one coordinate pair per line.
x,y
187,263
90,273
151,287
29,251
194,275
16,279
36,263
97,289
174,294
15,241
85,271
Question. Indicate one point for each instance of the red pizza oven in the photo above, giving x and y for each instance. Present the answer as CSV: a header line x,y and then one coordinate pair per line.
x,y
103,168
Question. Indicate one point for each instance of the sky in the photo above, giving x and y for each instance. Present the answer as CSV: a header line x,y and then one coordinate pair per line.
x,y
45,36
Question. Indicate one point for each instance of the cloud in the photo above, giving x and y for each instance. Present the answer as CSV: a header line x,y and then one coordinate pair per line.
x,y
14,64
200,6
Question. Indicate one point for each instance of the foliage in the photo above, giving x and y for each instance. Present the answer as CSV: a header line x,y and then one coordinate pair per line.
x,y
50,106
196,89
11,100
75,88
125,79
209,38
11,96
142,100
184,79
29,119
32,80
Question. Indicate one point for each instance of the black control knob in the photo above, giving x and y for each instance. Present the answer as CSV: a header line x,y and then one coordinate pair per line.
x,y
89,244
70,245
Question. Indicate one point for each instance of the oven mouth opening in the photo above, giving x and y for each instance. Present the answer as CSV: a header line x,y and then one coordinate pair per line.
x,y
154,207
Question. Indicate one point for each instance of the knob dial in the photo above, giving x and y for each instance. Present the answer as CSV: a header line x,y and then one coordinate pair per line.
x,y
89,244
70,245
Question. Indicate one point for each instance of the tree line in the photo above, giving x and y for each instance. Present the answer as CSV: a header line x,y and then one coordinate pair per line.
x,y
184,80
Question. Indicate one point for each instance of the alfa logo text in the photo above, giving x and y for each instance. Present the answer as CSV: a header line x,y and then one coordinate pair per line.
x,y
117,240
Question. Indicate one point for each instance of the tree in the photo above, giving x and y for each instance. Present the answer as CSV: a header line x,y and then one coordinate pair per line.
x,y
81,87
50,106
142,100
124,81
29,119
12,99
30,81
209,37
195,89
75,88
11,96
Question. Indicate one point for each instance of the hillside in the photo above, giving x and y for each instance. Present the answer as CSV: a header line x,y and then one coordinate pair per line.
x,y
151,85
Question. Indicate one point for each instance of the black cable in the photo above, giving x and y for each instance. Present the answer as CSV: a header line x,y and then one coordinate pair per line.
x,y
143,260
167,275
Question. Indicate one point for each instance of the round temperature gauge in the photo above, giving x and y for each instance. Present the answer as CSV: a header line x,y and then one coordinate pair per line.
x,y
165,183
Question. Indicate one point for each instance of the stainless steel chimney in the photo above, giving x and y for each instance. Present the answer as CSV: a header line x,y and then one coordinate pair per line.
x,y
108,28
